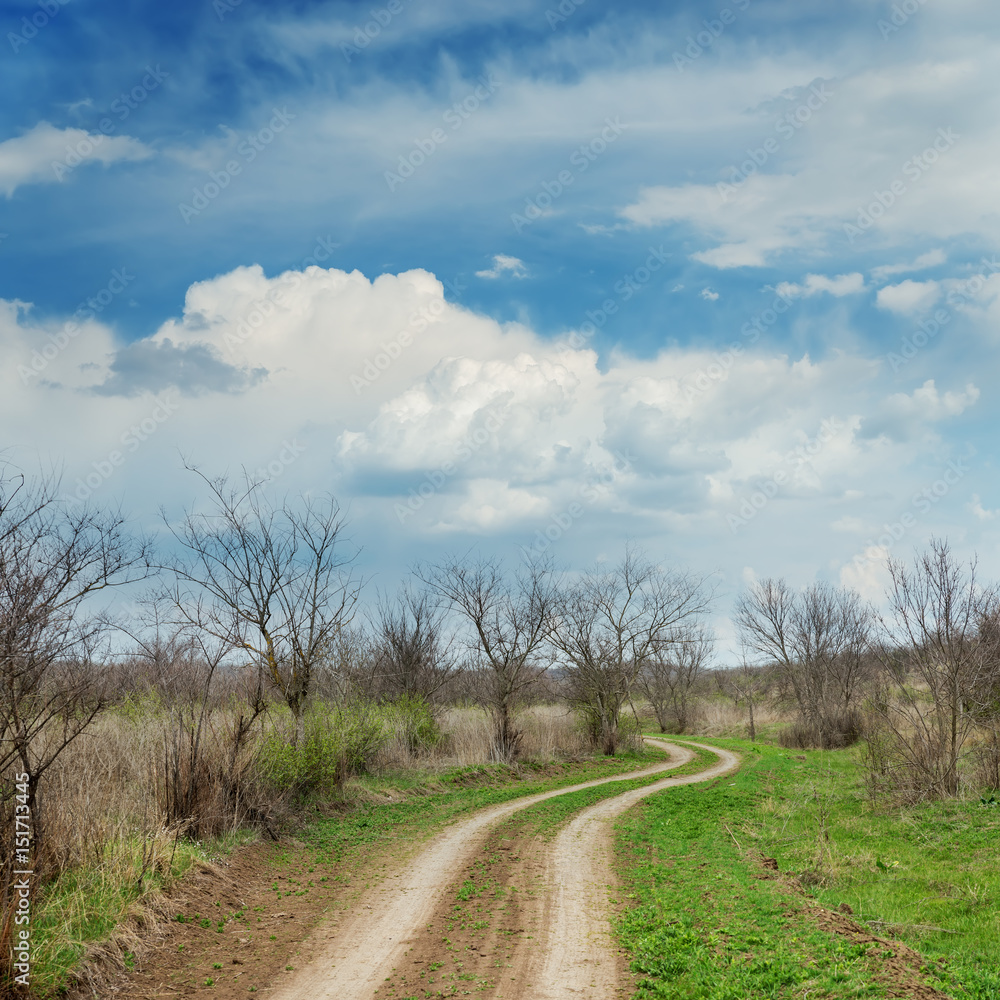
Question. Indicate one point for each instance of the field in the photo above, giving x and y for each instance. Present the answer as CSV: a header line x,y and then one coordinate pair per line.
x,y
781,880
729,882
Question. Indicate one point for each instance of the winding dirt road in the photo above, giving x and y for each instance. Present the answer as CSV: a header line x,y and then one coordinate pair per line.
x,y
571,954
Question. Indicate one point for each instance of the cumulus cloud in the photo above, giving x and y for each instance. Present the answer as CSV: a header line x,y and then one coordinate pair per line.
x,y
438,420
708,295
979,511
503,264
868,573
905,415
192,369
908,297
46,154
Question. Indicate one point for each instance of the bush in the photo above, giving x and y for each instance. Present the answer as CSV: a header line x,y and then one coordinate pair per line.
x,y
338,743
412,719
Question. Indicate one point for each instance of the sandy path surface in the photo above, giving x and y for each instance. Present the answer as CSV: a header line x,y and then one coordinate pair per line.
x,y
578,957
355,951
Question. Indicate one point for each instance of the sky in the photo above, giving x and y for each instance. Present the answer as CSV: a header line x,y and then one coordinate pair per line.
x,y
532,279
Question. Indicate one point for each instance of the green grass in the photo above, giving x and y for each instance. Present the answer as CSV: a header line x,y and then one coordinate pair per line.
x,y
705,924
435,800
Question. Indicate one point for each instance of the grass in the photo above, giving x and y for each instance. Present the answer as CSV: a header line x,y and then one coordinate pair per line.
x,y
706,924
87,904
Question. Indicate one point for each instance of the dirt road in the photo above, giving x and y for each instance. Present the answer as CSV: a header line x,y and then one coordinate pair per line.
x,y
356,951
578,957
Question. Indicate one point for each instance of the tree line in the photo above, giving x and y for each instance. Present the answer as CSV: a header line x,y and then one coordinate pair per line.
x,y
261,599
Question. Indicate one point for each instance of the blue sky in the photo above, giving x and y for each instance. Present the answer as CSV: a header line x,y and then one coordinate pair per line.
x,y
669,263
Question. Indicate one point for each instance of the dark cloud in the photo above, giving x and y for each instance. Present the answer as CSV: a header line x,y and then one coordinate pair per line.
x,y
194,370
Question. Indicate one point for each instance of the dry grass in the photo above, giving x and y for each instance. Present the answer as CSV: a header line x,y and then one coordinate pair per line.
x,y
719,717
550,732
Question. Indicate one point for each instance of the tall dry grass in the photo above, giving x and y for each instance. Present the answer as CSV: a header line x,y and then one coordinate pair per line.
x,y
549,732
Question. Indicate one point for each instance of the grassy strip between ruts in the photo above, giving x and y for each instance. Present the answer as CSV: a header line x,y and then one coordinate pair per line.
x,y
467,945
87,905
711,922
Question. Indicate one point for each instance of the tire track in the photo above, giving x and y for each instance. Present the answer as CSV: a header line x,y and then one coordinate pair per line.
x,y
357,950
579,957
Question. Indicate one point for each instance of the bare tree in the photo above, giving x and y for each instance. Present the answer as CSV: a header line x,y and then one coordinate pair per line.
x,y
819,639
509,621
939,634
412,653
269,580
612,624
746,683
54,558
670,673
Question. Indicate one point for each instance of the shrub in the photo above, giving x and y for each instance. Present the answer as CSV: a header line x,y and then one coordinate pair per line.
x,y
339,742
832,733
412,719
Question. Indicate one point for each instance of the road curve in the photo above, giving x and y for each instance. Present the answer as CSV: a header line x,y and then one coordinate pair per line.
x,y
358,949
578,957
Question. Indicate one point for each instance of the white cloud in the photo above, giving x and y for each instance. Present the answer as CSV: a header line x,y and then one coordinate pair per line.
x,y
392,396
503,264
708,295
919,128
908,297
814,284
868,573
903,416
46,154
849,524
932,258
982,513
